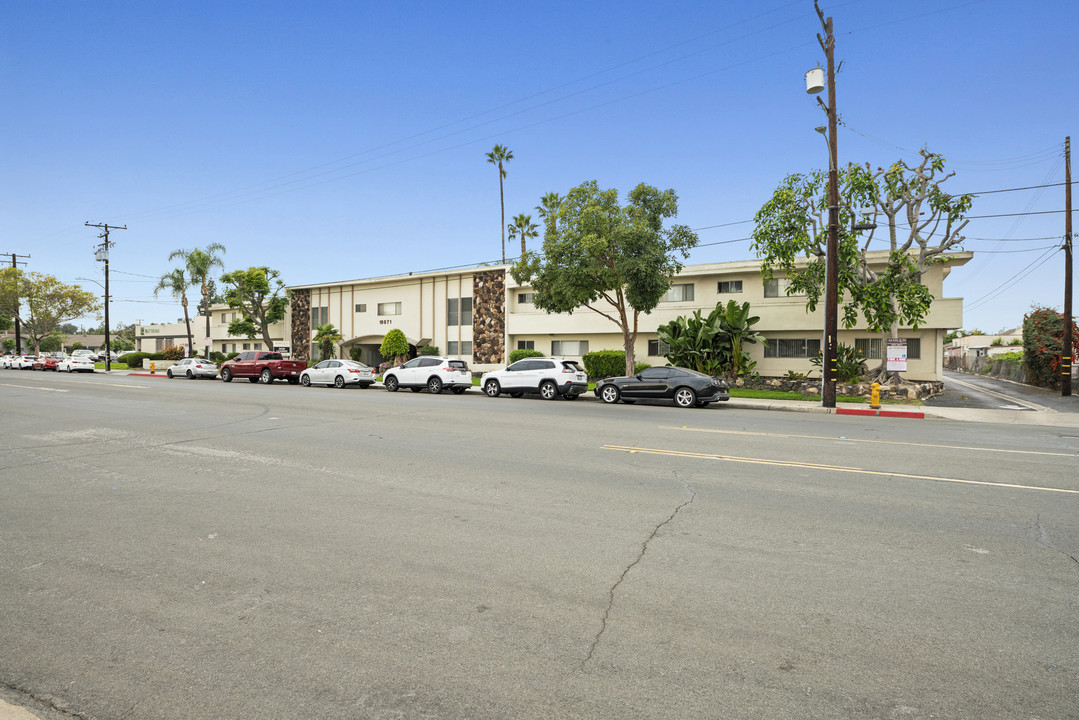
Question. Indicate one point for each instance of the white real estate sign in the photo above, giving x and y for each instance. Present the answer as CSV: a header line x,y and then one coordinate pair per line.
x,y
897,355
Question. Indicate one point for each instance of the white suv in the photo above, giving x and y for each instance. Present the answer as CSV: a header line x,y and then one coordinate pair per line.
x,y
548,376
433,373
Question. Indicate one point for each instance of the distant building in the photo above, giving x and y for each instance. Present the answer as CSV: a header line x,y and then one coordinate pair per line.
x,y
155,337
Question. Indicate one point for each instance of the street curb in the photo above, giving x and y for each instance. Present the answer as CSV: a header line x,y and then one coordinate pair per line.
x,y
881,413
146,374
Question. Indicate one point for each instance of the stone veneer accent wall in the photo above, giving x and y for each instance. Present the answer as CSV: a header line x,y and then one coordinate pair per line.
x,y
489,317
301,325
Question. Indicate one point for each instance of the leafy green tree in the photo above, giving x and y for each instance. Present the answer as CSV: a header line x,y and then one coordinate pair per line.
x,y
524,228
8,344
53,342
69,328
48,302
177,283
500,155
921,220
394,345
260,295
200,265
614,260
327,337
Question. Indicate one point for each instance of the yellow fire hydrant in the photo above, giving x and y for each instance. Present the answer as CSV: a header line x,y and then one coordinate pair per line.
x,y
874,396
153,367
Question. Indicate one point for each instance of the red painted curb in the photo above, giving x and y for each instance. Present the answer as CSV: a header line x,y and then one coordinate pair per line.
x,y
149,374
880,413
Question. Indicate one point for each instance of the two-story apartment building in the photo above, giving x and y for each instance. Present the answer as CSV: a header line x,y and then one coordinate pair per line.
x,y
156,337
481,314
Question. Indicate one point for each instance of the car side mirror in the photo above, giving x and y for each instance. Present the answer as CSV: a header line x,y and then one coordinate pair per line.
x,y
638,376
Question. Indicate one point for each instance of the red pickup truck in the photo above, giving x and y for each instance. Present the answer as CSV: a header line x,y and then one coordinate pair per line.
x,y
262,366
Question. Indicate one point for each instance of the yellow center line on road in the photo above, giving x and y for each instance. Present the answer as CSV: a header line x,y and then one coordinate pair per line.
x,y
33,387
830,468
857,440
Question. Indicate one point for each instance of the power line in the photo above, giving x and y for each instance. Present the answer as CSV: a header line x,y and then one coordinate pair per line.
x,y
1034,265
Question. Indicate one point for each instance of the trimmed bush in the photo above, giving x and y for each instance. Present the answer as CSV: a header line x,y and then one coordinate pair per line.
x,y
217,357
522,354
172,352
355,354
640,366
604,364
427,350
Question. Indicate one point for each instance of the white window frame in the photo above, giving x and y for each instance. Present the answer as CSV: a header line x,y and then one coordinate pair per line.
x,y
389,308
681,292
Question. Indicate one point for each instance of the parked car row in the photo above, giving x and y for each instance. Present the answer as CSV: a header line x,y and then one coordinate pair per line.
x,y
548,377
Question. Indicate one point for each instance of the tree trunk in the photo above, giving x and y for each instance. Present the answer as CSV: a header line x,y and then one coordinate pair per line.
x,y
502,202
206,309
187,322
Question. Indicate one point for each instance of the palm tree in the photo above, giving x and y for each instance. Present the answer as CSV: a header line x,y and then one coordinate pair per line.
x,y
499,155
178,284
548,210
200,263
326,337
524,227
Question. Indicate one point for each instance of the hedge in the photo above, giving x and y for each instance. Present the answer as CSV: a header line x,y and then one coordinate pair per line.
x,y
522,354
608,363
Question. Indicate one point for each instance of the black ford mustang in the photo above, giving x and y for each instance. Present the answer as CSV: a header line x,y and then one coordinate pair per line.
x,y
688,388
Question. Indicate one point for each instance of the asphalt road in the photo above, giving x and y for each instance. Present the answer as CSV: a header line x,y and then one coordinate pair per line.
x,y
964,390
191,549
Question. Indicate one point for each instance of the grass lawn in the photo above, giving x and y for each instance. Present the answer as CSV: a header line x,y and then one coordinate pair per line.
x,y
114,366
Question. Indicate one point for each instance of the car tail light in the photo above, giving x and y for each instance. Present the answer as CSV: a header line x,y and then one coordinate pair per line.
x,y
355,371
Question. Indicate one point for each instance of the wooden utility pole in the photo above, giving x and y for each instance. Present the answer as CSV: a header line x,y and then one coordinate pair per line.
x,y
15,311
829,365
103,255
1066,355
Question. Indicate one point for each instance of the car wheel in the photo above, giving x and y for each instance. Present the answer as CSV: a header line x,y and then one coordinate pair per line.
x,y
434,385
190,375
609,394
338,382
266,377
226,375
517,394
492,388
459,390
168,373
685,397
305,380
391,383
548,390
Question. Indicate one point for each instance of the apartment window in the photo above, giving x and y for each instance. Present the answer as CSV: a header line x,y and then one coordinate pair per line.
x,y
320,315
525,298
247,346
571,348
459,311
874,348
870,348
258,346
658,348
361,308
777,287
679,293
462,348
729,286
526,344
792,348
393,308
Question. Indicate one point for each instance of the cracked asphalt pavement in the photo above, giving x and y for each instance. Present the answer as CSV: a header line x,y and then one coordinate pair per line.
x,y
189,550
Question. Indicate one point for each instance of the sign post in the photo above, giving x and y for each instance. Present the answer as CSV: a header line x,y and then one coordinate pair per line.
x,y
897,357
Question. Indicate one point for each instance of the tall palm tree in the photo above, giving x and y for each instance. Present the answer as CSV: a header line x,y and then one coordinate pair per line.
x,y
548,210
200,263
178,284
499,155
524,227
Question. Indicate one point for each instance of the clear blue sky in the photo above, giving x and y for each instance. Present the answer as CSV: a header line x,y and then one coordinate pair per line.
x,y
339,140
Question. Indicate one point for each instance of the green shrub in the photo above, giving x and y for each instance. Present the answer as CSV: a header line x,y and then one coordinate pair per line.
x,y
1043,340
394,345
173,352
850,364
640,366
217,357
427,350
522,354
355,354
132,359
604,364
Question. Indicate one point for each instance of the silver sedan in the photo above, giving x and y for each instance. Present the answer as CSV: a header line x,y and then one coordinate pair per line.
x,y
338,373
192,368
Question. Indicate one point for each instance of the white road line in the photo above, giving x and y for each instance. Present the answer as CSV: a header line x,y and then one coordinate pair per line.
x,y
33,387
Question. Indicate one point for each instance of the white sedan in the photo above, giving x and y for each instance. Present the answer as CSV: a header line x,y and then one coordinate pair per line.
x,y
338,373
192,368
75,363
